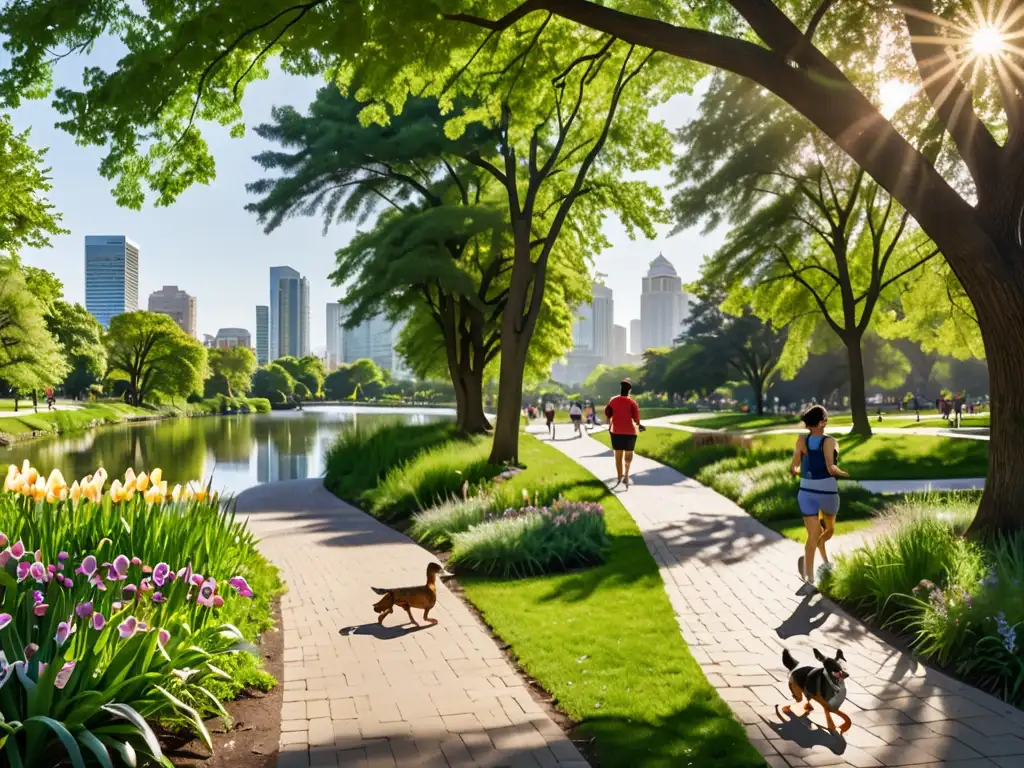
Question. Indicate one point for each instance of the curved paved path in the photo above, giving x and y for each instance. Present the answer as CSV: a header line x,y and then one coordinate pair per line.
x,y
440,696
738,599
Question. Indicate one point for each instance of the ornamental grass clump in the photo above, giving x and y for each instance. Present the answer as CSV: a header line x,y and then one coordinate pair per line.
x,y
532,540
107,623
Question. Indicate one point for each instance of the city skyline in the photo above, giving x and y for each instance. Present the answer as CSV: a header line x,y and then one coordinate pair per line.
x,y
111,276
208,234
289,313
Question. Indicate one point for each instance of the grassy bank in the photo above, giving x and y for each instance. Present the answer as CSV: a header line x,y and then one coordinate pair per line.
x,y
28,423
745,422
603,641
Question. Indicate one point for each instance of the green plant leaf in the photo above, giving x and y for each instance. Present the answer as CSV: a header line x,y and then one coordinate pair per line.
x,y
123,748
127,713
62,733
197,721
94,745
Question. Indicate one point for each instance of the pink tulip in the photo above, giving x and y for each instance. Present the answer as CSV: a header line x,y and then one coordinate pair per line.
x,y
30,651
5,556
5,619
38,572
98,621
116,605
18,550
63,633
127,627
241,586
161,573
159,598
197,579
37,597
218,601
136,561
68,582
40,610
88,566
64,675
3,540
120,567
146,585
129,591
206,593
39,555
83,610
23,569
62,556
97,581
164,637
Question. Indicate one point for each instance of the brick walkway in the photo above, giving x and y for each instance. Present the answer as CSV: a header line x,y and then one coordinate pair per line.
x,y
440,696
736,592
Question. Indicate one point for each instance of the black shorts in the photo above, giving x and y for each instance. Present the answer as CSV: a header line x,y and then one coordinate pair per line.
x,y
576,419
549,416
623,442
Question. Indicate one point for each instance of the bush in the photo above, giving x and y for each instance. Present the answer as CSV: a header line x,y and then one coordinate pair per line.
x,y
194,398
529,541
103,649
959,602
258,404
436,526
276,397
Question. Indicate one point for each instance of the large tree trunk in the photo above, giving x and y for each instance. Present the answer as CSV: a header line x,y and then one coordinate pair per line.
x,y
858,397
469,387
1000,311
758,387
505,448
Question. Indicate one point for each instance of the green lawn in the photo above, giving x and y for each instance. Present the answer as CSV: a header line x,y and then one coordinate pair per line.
x,y
65,421
603,641
745,422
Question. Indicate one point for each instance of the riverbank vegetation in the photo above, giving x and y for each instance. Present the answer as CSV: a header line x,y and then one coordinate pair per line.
x,y
603,640
129,606
956,601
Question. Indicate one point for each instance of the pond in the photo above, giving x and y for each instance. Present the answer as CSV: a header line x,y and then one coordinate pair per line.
x,y
236,451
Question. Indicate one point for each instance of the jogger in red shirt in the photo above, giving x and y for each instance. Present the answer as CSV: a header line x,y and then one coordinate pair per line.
x,y
624,417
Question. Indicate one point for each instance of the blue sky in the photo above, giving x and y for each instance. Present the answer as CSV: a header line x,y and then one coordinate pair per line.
x,y
208,245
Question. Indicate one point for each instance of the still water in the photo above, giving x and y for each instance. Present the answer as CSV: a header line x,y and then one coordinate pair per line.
x,y
236,451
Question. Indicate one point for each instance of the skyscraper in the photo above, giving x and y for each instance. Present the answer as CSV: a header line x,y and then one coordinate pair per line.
x,y
228,338
111,276
335,336
592,336
618,345
289,313
374,338
663,306
634,338
174,302
262,334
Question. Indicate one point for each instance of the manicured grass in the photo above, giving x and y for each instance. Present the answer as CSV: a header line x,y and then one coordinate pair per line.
x,y
604,641
742,421
745,422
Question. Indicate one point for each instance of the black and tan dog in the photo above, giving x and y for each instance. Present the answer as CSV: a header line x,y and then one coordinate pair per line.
x,y
825,684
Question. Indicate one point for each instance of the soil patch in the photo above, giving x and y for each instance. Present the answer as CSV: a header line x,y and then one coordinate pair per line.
x,y
253,741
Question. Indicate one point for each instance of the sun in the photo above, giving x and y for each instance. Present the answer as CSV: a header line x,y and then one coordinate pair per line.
x,y
986,41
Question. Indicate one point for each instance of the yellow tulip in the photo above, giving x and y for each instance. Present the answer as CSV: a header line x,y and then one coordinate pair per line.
x,y
92,492
12,470
39,489
115,490
51,497
176,493
142,482
25,466
129,476
76,492
101,474
31,476
62,493
55,480
127,492
156,476
162,487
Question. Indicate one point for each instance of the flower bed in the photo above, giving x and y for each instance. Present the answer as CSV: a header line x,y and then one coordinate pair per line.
x,y
533,540
959,603
119,609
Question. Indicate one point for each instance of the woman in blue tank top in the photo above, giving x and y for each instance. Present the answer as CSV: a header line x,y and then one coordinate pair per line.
x,y
814,461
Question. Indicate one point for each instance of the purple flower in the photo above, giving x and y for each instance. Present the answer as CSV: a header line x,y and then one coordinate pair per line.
x,y
129,591
51,569
88,566
23,570
146,585
127,627
206,593
118,569
161,574
98,621
159,598
5,619
136,561
197,579
62,556
164,637
38,572
83,610
5,557
3,540
97,581
64,675
116,605
18,550
68,582
37,597
30,651
63,633
41,609
241,586
218,601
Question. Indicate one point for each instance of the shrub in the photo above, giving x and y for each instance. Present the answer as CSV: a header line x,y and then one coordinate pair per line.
x,y
276,397
532,540
436,526
94,651
194,398
258,404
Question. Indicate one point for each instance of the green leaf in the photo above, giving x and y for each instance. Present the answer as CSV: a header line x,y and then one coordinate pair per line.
x,y
125,712
70,744
197,721
94,745
123,748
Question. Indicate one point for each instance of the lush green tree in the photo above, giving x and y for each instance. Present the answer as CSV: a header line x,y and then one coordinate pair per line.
x,y
342,383
80,337
27,219
308,370
154,356
46,286
814,241
719,348
603,382
235,367
270,379
30,358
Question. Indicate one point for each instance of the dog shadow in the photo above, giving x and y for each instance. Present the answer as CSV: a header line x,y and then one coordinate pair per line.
x,y
380,632
810,614
804,732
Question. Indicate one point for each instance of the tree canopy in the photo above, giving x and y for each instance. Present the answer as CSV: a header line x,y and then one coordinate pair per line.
x,y
30,357
235,366
27,218
309,371
80,337
270,379
154,356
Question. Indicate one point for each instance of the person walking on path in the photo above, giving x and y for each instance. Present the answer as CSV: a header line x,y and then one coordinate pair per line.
x,y
549,417
576,414
814,461
623,416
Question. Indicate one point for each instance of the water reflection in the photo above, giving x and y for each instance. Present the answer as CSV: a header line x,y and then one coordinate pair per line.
x,y
237,451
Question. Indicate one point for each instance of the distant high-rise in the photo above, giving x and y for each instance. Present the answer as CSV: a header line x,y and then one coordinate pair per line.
x,y
227,338
663,306
262,334
634,338
335,336
592,336
618,345
289,313
174,302
374,338
111,276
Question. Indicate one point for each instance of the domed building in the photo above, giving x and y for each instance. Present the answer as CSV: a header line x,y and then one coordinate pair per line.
x,y
664,305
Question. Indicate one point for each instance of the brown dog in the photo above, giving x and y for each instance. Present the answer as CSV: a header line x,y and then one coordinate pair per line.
x,y
424,597
825,684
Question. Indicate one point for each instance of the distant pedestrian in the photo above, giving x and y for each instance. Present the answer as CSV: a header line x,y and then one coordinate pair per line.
x,y
623,415
549,417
